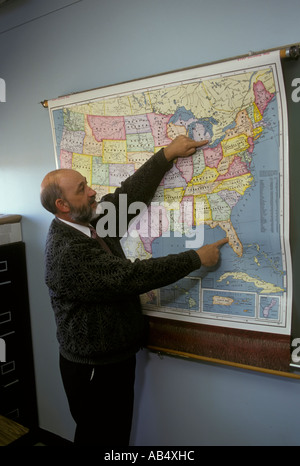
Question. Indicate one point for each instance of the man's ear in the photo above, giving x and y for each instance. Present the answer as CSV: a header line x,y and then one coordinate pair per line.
x,y
62,206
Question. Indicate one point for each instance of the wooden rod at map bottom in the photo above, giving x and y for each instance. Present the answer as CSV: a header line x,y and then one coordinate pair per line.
x,y
181,354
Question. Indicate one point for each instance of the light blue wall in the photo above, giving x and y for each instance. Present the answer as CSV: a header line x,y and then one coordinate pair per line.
x,y
92,43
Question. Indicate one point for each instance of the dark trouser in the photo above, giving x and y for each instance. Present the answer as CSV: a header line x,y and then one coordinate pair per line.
x,y
101,401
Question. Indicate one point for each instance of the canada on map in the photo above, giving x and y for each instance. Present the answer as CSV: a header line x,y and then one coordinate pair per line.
x,y
228,188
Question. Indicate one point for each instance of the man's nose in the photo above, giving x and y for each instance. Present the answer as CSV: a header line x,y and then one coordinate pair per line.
x,y
91,192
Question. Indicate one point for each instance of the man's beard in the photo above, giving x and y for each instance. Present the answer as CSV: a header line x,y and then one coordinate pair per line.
x,y
84,214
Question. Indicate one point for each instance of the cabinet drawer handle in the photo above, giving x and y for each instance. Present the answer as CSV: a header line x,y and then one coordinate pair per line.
x,y
10,384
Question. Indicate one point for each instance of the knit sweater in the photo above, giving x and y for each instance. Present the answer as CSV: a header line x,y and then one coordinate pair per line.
x,y
94,293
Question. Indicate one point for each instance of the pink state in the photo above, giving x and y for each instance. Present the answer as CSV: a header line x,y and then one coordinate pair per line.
x,y
251,144
186,215
186,168
65,159
236,168
107,127
158,124
213,156
262,96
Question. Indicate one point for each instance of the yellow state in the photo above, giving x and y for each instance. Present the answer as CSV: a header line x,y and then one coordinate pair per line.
x,y
139,158
256,113
175,130
235,145
209,175
83,164
172,198
257,131
202,210
238,184
91,146
114,151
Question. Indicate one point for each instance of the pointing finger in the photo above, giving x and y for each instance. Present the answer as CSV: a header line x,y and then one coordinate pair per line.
x,y
201,143
221,242
194,146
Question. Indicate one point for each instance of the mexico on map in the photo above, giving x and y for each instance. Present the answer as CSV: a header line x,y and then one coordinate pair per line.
x,y
236,186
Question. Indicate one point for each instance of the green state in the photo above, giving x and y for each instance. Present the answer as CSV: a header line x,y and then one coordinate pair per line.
x,y
219,208
100,172
265,286
142,142
73,121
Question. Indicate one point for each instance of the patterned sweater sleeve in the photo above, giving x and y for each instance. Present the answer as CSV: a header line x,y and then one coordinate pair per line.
x,y
99,275
141,186
108,277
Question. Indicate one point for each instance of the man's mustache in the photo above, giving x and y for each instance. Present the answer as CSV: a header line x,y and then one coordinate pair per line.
x,y
93,199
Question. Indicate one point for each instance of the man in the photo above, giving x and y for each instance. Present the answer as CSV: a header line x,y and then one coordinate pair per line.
x,y
95,292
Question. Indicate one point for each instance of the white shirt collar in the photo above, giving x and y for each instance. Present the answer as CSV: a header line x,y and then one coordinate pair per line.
x,y
81,228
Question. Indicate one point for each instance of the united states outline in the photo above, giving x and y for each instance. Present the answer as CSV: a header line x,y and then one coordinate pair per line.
x,y
217,180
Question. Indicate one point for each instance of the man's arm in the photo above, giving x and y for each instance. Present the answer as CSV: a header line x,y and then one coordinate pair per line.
x,y
142,185
182,146
103,276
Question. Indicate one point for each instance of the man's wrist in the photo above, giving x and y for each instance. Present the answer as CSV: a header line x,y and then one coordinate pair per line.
x,y
168,154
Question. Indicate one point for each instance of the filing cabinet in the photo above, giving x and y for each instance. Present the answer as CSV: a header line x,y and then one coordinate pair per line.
x,y
17,380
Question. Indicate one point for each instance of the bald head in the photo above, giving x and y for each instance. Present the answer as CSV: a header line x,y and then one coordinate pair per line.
x,y
66,194
52,189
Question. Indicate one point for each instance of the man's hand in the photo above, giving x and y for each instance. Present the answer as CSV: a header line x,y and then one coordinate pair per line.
x,y
210,253
182,146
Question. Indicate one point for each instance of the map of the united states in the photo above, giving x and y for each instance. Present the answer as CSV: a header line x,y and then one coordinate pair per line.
x,y
230,187
109,147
